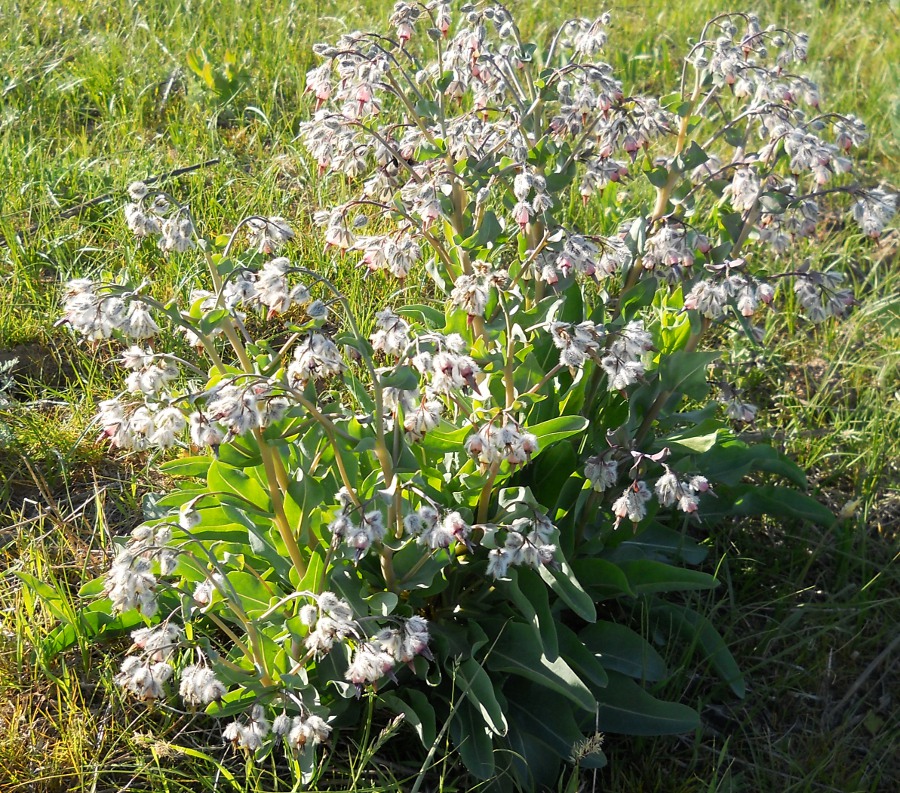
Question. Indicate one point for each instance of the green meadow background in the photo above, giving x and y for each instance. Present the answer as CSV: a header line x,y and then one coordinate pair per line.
x,y
97,93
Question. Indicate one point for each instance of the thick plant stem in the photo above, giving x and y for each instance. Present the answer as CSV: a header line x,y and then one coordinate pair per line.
x,y
276,476
484,499
387,568
663,193
223,626
509,363
281,521
749,223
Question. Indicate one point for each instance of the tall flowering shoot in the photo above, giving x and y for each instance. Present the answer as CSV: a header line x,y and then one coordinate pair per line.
x,y
470,474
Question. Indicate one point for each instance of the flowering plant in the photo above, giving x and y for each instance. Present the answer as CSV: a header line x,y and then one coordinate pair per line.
x,y
469,500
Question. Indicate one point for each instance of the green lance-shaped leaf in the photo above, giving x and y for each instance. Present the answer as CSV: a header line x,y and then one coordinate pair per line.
x,y
581,658
540,734
419,712
692,157
637,297
472,678
684,372
557,429
253,595
519,652
234,480
657,543
697,439
784,502
620,649
529,593
604,579
731,460
565,584
625,707
472,740
647,576
187,466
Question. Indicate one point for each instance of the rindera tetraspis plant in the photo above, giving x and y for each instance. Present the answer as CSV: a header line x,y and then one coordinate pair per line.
x,y
458,513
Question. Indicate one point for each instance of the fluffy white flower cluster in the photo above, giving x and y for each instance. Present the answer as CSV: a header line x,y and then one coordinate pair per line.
x,y
601,471
420,415
778,227
394,253
440,359
150,373
737,409
527,543
874,211
315,358
423,197
269,288
736,56
203,592
145,674
712,297
143,679
236,408
600,172
146,214
579,255
623,363
670,491
391,335
403,19
821,295
492,444
431,531
353,78
331,620
136,425
587,37
358,536
268,235
358,77
744,189
576,343
131,582
670,251
159,643
199,686
532,198
302,731
632,504
251,733
598,257
231,410
377,658
448,370
96,314
753,62
476,63
471,292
